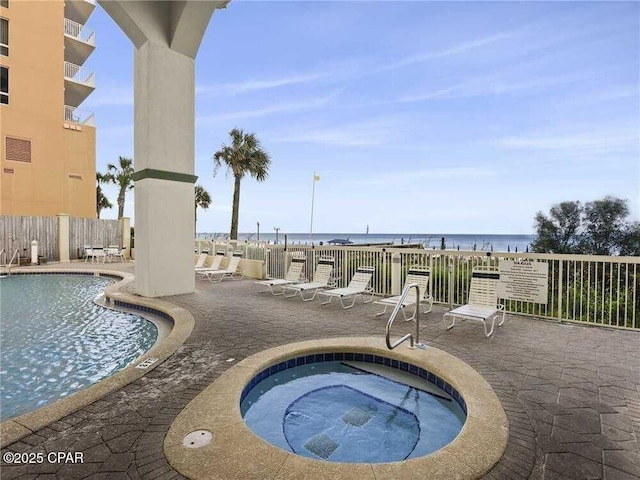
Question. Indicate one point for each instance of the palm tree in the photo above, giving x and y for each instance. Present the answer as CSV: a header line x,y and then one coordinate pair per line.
x,y
102,201
121,175
243,156
202,198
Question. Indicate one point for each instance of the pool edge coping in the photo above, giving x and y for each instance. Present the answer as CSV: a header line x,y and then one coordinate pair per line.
x,y
26,424
477,448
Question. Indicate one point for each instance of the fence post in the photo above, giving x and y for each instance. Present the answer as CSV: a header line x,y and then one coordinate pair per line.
x,y
63,238
125,226
450,280
560,275
34,252
396,273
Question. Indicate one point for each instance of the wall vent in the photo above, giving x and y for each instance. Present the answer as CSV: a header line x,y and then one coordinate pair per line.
x,y
8,170
75,175
18,150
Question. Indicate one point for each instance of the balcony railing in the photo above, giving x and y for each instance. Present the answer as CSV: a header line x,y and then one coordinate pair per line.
x,y
75,115
77,31
79,74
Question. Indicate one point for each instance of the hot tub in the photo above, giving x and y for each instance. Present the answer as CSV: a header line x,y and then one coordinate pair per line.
x,y
210,439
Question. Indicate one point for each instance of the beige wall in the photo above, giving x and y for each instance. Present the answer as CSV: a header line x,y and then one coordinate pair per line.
x,y
43,187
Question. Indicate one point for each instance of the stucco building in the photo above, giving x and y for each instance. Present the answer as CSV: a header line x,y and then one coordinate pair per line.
x,y
47,144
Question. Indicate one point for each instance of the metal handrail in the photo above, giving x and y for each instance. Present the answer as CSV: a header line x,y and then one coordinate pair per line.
x,y
413,340
7,266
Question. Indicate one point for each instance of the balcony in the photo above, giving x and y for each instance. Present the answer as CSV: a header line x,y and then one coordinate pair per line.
x,y
79,42
79,82
79,10
75,115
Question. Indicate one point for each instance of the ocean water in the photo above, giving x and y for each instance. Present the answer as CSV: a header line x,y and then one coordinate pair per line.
x,y
479,242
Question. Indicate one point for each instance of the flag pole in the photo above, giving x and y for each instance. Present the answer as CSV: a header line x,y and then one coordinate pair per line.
x,y
313,196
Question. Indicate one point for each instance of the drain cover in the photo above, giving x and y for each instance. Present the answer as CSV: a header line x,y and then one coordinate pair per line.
x,y
147,363
197,439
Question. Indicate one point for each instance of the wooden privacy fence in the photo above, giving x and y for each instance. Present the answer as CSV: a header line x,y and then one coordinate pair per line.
x,y
16,233
92,232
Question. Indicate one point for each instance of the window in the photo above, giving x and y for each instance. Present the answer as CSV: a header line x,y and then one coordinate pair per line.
x,y
4,37
4,85
4,3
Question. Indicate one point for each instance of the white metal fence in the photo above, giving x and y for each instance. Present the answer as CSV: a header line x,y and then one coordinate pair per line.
x,y
590,289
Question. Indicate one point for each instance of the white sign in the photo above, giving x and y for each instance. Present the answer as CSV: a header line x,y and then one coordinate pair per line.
x,y
526,281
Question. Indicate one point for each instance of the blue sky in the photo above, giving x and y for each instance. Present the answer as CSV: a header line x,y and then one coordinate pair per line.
x,y
457,117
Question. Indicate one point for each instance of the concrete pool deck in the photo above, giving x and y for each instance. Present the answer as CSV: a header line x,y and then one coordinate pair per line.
x,y
571,393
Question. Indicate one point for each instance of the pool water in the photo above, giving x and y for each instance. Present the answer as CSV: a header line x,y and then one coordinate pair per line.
x,y
55,340
332,411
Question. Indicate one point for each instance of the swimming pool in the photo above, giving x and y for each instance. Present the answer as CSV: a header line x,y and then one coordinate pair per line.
x,y
56,340
349,410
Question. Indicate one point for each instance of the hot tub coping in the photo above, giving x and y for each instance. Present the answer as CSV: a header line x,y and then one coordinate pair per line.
x,y
237,452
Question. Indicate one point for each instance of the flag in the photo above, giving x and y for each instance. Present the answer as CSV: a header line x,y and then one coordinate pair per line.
x,y
316,178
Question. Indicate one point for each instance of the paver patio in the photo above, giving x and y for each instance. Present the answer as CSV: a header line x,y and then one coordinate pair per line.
x,y
571,393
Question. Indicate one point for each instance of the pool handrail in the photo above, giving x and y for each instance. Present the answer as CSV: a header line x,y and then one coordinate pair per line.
x,y
413,340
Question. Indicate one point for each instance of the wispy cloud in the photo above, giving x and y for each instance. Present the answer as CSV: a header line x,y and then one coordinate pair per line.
x,y
110,96
586,141
286,107
360,134
408,177
446,52
257,85
501,83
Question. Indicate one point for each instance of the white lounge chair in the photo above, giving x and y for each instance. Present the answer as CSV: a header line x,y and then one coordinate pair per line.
x,y
215,265
483,300
321,278
358,286
202,258
293,275
230,271
419,275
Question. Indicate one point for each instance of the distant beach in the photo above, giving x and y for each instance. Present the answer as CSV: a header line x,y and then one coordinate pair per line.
x,y
479,242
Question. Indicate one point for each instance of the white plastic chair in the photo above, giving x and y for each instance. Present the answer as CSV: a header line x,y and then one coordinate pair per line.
x,y
119,254
483,300
321,278
358,286
97,253
415,274
293,275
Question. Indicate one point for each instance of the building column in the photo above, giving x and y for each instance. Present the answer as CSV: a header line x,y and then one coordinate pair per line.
x,y
166,35
63,238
